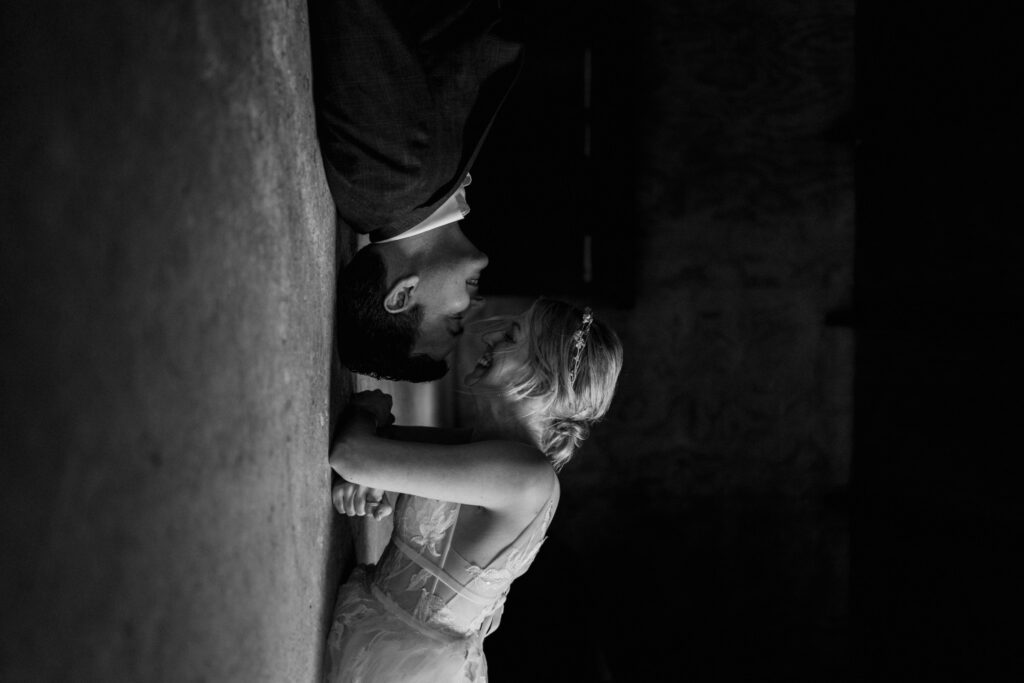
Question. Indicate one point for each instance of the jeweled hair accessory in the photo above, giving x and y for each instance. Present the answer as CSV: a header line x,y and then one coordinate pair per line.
x,y
579,341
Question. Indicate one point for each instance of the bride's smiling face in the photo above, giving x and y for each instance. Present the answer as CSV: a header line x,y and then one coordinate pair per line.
x,y
506,350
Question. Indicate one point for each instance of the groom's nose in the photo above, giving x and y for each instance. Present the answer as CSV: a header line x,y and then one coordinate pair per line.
x,y
480,259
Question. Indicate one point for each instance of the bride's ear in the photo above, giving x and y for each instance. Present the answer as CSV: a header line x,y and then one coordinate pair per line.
x,y
399,298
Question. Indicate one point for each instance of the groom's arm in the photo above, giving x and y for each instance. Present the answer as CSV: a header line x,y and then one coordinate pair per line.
x,y
405,92
442,435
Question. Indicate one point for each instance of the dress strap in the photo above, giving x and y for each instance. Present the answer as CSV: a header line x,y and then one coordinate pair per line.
x,y
450,536
393,608
439,573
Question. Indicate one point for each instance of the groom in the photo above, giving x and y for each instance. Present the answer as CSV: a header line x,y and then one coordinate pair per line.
x,y
406,91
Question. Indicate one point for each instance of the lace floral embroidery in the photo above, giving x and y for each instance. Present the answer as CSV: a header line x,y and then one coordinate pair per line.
x,y
419,579
549,512
489,575
430,526
516,563
353,611
433,610
492,613
428,606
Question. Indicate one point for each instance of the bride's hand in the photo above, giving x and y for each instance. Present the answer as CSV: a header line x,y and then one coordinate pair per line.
x,y
355,500
365,413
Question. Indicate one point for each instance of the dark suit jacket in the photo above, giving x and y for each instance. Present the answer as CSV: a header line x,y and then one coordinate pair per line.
x,y
406,91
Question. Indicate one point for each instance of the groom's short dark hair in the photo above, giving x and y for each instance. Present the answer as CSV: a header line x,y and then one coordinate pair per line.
x,y
372,341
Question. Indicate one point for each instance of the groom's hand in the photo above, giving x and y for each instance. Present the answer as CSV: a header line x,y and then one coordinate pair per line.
x,y
366,412
376,403
358,501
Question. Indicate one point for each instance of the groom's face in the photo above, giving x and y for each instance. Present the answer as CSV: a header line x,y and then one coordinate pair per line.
x,y
448,292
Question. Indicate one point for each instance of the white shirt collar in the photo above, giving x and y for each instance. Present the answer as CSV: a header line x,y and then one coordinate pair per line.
x,y
453,209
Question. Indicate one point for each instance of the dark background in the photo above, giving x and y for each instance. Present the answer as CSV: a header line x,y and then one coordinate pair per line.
x,y
705,530
858,240
803,224
556,180
937,510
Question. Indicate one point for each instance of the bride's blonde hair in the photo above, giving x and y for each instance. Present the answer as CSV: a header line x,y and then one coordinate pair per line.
x,y
567,405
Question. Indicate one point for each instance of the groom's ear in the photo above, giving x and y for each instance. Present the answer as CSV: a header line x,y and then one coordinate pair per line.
x,y
399,298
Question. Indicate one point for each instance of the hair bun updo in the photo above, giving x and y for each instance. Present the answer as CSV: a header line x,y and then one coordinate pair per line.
x,y
562,436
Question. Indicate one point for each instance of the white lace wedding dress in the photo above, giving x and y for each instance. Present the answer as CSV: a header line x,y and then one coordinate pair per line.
x,y
421,614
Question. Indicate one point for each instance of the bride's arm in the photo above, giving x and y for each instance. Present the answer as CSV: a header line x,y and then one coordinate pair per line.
x,y
496,475
356,501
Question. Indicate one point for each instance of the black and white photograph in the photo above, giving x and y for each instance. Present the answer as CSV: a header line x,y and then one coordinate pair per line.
x,y
510,341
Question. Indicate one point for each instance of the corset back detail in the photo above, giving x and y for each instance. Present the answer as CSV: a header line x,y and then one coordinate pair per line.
x,y
423,575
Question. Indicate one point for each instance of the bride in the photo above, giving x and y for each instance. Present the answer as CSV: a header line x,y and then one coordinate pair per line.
x,y
472,515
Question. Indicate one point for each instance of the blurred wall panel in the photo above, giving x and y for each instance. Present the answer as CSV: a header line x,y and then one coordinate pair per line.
x,y
554,188
703,533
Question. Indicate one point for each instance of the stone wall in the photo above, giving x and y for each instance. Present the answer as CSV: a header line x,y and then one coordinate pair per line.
x,y
167,267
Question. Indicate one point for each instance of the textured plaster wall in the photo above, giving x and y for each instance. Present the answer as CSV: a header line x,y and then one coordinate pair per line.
x,y
167,264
